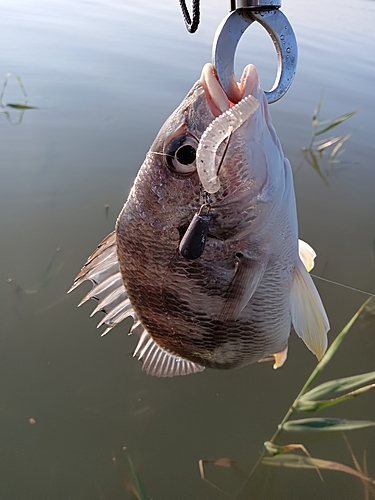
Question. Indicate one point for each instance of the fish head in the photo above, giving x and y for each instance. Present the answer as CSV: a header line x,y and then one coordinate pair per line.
x,y
168,190
246,166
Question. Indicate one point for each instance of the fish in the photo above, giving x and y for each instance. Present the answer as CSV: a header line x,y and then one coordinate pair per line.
x,y
234,301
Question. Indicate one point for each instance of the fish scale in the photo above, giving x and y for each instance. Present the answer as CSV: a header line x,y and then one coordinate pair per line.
x,y
235,304
188,317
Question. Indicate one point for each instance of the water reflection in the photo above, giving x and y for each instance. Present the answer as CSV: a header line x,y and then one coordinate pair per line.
x,y
22,106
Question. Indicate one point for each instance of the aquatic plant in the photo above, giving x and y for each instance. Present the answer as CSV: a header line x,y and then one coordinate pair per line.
x,y
49,273
129,477
312,399
313,153
18,105
309,399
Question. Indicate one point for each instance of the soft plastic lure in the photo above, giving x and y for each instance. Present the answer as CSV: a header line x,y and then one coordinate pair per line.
x,y
215,134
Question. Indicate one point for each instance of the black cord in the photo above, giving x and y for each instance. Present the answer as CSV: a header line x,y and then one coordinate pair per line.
x,y
191,24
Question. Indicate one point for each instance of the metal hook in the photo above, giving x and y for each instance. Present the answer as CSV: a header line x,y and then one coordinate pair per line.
x,y
228,34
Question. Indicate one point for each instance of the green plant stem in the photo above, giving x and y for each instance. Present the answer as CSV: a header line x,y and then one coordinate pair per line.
x,y
315,373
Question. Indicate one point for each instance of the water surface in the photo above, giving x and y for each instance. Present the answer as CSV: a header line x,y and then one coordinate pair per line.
x,y
104,76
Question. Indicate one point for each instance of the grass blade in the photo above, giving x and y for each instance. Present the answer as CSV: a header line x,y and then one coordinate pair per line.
x,y
7,76
337,342
305,405
274,449
20,106
336,386
316,113
326,424
139,491
131,480
367,487
311,158
336,122
299,462
330,142
338,146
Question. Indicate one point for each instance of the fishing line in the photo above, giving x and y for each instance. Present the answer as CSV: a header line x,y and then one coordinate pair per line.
x,y
157,153
344,286
224,153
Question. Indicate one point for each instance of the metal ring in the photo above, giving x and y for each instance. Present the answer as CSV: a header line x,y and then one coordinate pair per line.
x,y
228,35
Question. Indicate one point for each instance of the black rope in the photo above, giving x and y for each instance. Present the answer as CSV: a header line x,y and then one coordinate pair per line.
x,y
191,24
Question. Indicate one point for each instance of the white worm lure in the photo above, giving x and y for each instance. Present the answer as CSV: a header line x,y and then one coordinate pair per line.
x,y
214,135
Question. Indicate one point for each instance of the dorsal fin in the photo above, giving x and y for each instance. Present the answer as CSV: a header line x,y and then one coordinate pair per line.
x,y
103,270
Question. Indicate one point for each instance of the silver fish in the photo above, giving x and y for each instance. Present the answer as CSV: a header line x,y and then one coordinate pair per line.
x,y
235,304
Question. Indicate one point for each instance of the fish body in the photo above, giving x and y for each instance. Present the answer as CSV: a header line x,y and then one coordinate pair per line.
x,y
233,305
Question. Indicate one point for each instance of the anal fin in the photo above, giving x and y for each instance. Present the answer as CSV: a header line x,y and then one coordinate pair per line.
x,y
161,363
308,314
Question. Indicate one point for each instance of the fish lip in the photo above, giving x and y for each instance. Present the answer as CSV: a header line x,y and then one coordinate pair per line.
x,y
217,99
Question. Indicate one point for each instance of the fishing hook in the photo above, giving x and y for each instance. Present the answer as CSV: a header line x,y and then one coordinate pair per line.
x,y
228,34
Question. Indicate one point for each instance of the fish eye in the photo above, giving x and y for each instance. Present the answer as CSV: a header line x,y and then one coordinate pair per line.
x,y
180,155
185,155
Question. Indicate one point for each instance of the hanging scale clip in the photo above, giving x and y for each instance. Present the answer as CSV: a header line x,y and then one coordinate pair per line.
x,y
228,34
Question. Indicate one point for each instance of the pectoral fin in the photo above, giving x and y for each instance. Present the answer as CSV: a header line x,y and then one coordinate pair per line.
x,y
248,274
308,315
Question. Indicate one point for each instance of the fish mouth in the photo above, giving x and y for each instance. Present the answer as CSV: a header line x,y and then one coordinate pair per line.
x,y
216,97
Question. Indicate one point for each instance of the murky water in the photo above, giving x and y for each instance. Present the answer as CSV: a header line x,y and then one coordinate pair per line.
x,y
104,76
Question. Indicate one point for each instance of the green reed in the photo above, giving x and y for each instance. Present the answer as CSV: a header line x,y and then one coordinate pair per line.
x,y
318,146
21,106
310,399
314,399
